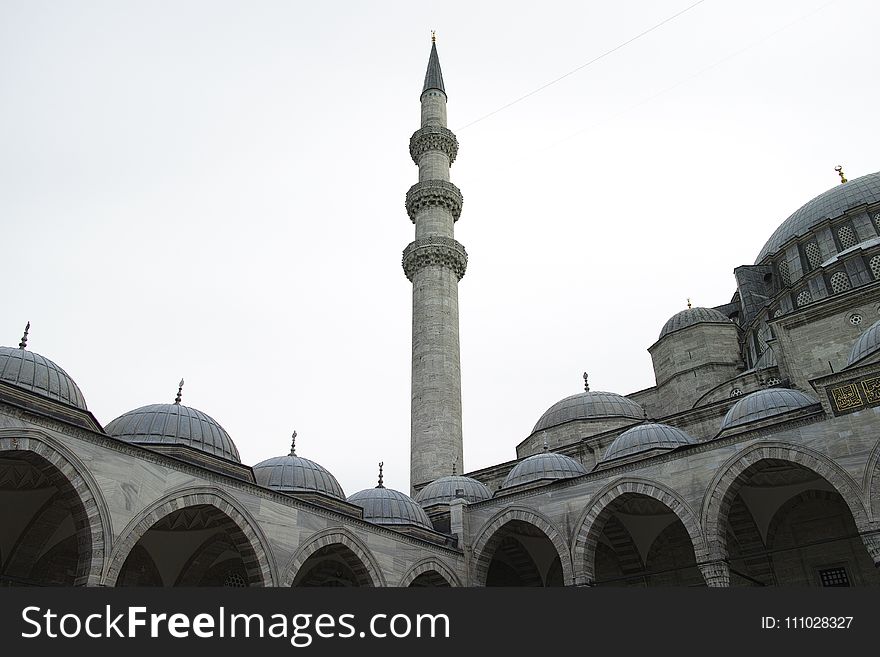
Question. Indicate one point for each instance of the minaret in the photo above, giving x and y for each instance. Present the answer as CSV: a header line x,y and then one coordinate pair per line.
x,y
434,262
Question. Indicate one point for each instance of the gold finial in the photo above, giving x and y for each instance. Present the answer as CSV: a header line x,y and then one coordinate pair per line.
x,y
179,393
433,36
839,170
689,303
23,343
586,382
381,465
293,444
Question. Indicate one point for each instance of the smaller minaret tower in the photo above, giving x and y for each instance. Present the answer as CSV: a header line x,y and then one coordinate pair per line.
x,y
434,262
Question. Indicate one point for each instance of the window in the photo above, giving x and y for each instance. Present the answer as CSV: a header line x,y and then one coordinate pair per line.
x,y
876,218
839,282
875,266
855,319
784,274
814,256
804,298
834,577
846,236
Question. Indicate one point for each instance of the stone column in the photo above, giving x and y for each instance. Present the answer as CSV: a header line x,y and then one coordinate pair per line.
x,y
716,573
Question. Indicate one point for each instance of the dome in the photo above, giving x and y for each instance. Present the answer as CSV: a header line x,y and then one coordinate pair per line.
x,y
386,506
174,424
646,437
866,344
828,205
29,371
589,406
763,404
294,474
446,489
691,316
546,465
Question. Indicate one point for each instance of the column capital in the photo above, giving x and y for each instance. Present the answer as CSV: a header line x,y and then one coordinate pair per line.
x,y
716,573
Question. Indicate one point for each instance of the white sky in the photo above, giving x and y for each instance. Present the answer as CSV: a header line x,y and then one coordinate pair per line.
x,y
215,190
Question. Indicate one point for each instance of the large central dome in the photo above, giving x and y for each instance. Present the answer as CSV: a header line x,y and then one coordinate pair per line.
x,y
828,205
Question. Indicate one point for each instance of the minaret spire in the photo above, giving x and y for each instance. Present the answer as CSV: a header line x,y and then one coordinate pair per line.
x,y
434,262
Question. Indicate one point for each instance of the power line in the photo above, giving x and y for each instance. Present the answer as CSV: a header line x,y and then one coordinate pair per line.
x,y
583,66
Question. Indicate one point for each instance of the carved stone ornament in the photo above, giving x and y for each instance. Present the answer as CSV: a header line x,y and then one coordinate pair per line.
x,y
433,138
433,193
436,251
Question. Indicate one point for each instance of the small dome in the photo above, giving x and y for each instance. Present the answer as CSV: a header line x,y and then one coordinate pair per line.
x,y
174,424
546,465
589,406
828,205
866,344
294,474
691,316
646,437
763,404
386,506
29,371
446,489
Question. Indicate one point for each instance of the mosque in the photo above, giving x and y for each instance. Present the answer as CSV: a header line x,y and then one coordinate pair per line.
x,y
753,461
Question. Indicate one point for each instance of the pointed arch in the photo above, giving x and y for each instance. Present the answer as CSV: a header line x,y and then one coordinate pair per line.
x,y
484,546
248,539
872,483
327,537
76,487
427,565
592,521
726,483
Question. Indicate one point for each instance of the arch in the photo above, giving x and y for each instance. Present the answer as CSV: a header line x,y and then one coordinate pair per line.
x,y
592,521
327,537
787,507
484,546
872,482
726,483
77,487
251,542
427,565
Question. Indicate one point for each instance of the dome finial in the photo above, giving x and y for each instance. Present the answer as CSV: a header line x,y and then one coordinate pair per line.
x,y
179,393
689,303
546,445
839,170
293,443
433,36
586,382
453,468
23,343
381,465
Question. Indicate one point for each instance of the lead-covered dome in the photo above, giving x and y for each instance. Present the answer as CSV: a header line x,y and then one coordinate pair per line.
x,y
294,474
386,506
446,489
763,404
645,438
866,344
691,316
174,424
32,372
828,205
589,406
546,465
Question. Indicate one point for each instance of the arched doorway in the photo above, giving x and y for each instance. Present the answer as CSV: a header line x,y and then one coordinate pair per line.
x,y
47,537
641,541
521,554
787,525
333,565
198,545
430,579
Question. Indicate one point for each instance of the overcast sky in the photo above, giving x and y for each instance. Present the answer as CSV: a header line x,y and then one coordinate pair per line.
x,y
215,190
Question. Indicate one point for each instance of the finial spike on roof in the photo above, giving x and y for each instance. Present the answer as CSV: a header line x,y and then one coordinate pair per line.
x,y
23,343
546,445
433,36
689,303
179,393
839,170
586,382
453,468
433,76
381,465
293,443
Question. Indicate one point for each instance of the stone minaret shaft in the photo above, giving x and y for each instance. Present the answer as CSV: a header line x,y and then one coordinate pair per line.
x,y
434,262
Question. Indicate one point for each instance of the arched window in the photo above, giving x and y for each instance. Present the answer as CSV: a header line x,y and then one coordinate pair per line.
x,y
839,282
875,266
804,298
814,256
846,236
784,274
